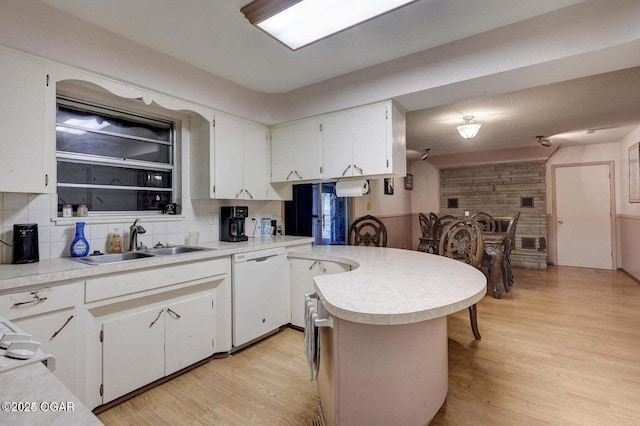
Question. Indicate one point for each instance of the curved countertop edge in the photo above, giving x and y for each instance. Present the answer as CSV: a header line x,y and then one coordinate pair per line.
x,y
344,305
57,271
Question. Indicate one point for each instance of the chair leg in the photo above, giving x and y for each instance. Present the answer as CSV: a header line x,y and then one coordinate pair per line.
x,y
473,316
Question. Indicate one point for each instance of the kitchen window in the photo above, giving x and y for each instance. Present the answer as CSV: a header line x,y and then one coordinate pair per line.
x,y
112,160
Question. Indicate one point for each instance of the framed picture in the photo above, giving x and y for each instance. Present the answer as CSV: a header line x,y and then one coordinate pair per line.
x,y
388,186
634,173
408,181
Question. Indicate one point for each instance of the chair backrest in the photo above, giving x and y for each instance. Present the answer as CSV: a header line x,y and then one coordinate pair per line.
x,y
425,225
462,240
369,231
510,237
432,218
438,226
485,220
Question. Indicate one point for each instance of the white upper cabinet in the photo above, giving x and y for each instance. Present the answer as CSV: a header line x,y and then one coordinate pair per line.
x,y
296,152
26,100
241,160
365,141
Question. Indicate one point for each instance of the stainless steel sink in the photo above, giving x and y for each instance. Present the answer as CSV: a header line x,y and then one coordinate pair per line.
x,y
113,258
176,250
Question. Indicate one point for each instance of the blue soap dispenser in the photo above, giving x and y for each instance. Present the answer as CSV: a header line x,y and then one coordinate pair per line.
x,y
80,245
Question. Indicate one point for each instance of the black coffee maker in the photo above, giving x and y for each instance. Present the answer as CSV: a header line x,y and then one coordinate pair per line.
x,y
232,223
25,243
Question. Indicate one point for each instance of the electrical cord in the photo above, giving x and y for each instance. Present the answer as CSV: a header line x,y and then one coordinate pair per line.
x,y
6,244
255,225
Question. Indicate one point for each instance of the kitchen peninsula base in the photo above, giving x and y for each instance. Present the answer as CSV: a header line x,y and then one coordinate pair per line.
x,y
382,374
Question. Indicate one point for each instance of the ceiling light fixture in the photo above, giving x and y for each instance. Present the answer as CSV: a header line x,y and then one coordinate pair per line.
x,y
544,142
425,154
469,128
297,23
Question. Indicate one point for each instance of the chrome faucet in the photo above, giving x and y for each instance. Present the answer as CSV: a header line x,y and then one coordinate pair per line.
x,y
134,230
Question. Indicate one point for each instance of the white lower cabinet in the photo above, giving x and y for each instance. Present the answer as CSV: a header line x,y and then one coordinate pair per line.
x,y
148,344
147,324
50,315
302,273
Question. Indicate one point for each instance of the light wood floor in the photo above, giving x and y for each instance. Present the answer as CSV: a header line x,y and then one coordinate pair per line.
x,y
562,348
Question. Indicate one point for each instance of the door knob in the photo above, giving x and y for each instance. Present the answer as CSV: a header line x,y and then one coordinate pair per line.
x,y
560,222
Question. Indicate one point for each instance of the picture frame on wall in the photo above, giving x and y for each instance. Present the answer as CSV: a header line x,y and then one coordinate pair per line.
x,y
634,173
408,182
388,186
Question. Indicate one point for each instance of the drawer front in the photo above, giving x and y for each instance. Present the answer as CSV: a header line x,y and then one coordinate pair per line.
x,y
148,279
33,302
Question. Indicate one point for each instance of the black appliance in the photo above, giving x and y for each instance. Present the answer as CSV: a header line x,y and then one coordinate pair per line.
x,y
232,223
25,243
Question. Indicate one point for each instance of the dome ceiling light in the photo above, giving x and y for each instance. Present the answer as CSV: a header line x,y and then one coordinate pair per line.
x,y
469,128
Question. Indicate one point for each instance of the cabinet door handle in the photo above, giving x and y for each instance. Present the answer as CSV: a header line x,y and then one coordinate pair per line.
x,y
239,193
296,172
313,264
322,268
358,169
289,175
36,299
247,191
53,336
155,320
345,170
173,313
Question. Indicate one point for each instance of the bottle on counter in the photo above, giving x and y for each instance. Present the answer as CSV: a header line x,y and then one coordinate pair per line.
x,y
79,245
115,241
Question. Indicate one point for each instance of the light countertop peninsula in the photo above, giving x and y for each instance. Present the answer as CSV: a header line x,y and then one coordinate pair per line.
x,y
392,286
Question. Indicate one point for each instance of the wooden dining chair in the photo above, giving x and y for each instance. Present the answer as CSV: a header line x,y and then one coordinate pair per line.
x,y
437,228
368,231
425,242
462,240
509,243
485,220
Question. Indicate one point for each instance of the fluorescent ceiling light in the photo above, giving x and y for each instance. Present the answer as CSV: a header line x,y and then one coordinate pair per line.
x,y
307,21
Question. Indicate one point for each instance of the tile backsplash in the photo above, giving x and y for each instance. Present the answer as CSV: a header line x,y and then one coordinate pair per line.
x,y
55,239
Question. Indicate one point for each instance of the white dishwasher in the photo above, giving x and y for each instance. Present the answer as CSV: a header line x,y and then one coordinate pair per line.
x,y
260,293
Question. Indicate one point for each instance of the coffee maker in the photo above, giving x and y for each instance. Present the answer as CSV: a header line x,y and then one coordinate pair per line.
x,y
25,243
232,223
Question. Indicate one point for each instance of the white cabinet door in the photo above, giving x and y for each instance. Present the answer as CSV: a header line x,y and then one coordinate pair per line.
x,y
24,99
58,333
282,157
190,331
256,163
307,152
370,138
337,142
302,273
229,158
132,351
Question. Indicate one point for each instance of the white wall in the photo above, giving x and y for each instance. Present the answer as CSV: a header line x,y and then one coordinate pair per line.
x,y
377,203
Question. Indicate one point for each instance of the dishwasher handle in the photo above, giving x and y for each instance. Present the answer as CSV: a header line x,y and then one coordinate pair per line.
x,y
263,259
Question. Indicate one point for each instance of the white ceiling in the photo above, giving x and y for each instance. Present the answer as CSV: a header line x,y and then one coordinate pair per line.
x,y
213,35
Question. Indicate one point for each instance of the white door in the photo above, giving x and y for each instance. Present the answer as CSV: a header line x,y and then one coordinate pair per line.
x,y
256,163
370,140
190,328
337,143
229,158
282,149
308,155
583,214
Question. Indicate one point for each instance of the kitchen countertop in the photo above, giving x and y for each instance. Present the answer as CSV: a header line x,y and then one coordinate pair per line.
x,y
15,278
393,286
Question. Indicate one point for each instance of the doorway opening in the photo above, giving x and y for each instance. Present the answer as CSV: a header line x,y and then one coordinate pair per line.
x,y
316,211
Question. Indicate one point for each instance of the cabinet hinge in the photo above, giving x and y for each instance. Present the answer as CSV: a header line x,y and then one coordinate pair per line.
x,y
213,345
320,127
101,390
101,336
320,169
386,115
46,180
214,188
387,163
213,123
47,80
211,303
